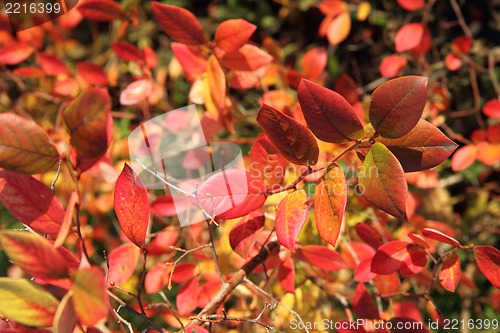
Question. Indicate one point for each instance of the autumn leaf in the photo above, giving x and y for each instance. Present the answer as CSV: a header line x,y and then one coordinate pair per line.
x,y
216,83
186,299
411,5
424,147
314,63
330,198
267,163
92,73
450,272
439,236
14,53
26,303
233,34
52,65
126,51
321,257
179,23
122,263
488,260
398,255
382,181
339,28
409,36
362,303
286,275
246,232
293,140
90,300
397,105
392,65
290,218
246,58
24,146
101,11
464,157
65,319
329,115
132,206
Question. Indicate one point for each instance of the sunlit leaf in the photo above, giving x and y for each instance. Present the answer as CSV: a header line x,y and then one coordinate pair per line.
x,y
330,198
314,63
122,263
92,73
392,65
14,53
65,319
286,275
339,28
422,148
267,163
25,146
450,272
247,58
382,181
488,260
290,218
233,34
464,157
132,206
26,303
411,5
187,298
179,23
329,115
101,11
409,36
439,236
397,105
321,257
244,234
216,83
389,257
90,301
492,108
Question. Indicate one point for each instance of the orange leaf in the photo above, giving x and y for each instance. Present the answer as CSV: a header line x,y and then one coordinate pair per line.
x,y
52,65
488,260
216,83
92,73
192,61
132,206
179,23
14,53
452,62
450,272
24,146
330,198
246,58
314,63
267,163
463,157
339,28
491,108
68,219
290,218
90,300
293,140
233,34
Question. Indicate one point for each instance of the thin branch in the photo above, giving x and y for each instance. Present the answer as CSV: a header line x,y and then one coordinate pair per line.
x,y
460,18
220,318
174,264
169,306
53,184
491,72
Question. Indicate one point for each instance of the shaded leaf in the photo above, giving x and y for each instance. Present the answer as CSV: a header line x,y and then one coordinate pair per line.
x,y
382,180
247,58
424,147
195,329
290,218
314,63
127,51
122,263
244,234
92,73
31,202
330,198
65,319
286,275
397,105
101,11
294,141
440,236
329,115
363,272
52,65
68,219
88,118
187,298
488,260
90,301
362,303
25,146
369,235
233,34
26,302
348,88
321,257
414,261
267,163
450,272
389,257
179,23
132,206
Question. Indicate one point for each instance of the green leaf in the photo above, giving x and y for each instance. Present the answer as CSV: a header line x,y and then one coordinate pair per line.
x,y
26,302
382,181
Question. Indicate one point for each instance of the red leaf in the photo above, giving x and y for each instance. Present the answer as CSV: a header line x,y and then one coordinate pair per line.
x,y
244,234
369,235
157,278
127,51
452,62
267,163
162,242
65,319
233,34
382,181
31,202
321,257
195,329
52,65
450,272
246,58
35,255
397,105
464,157
192,61
88,118
150,57
101,11
491,108
329,115
411,5
294,141
409,36
424,147
164,206
347,87
90,300
187,298
92,73
389,257
25,146
290,218
286,275
227,196
216,83
179,23
28,72
122,263
14,53
132,206
330,198
414,261
207,292
362,304
488,260
136,92
183,272
461,44
363,272
439,236
68,219
392,65
314,63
